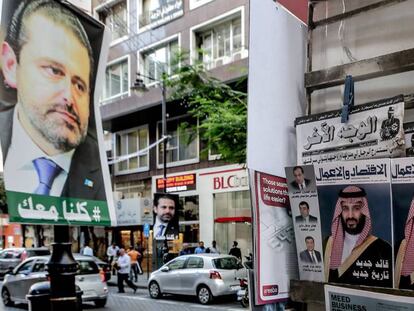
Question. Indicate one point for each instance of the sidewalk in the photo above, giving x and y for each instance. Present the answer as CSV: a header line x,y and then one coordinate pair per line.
x,y
142,281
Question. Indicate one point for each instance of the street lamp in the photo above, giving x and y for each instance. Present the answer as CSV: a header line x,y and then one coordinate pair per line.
x,y
139,85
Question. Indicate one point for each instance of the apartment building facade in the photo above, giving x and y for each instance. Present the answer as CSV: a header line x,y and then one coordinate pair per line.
x,y
145,37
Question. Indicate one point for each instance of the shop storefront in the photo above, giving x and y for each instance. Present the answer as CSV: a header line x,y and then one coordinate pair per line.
x,y
215,205
10,234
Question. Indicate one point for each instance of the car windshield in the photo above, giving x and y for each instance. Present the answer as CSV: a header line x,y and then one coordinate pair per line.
x,y
226,263
87,267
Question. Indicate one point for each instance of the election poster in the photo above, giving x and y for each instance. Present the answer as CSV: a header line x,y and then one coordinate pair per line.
x,y
55,168
402,172
274,238
409,139
166,214
344,299
304,204
374,130
356,220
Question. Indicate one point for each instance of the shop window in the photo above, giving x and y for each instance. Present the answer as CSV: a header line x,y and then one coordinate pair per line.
x,y
115,18
160,60
190,233
189,210
116,80
182,147
129,143
220,44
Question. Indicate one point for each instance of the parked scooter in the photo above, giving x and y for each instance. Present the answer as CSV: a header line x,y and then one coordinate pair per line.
x,y
243,292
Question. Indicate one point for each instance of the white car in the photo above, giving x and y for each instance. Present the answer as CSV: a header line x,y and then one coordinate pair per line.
x,y
16,285
202,275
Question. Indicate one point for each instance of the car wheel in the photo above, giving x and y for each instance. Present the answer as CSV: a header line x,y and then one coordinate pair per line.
x,y
100,303
154,290
204,295
5,296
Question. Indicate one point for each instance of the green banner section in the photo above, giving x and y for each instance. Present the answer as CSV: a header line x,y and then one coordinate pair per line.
x,y
39,209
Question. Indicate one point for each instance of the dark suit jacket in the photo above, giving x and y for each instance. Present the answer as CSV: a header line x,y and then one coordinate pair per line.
x,y
302,219
306,257
85,165
295,185
172,229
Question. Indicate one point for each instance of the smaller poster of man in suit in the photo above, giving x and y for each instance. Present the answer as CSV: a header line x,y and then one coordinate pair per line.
x,y
165,216
300,182
310,255
305,217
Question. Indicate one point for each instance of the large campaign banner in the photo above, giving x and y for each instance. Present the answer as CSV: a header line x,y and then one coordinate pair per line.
x,y
402,173
374,130
52,64
356,221
274,238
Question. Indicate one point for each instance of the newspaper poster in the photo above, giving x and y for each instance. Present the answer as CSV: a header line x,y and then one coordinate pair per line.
x,y
402,172
356,218
344,299
409,139
374,130
274,238
306,219
52,65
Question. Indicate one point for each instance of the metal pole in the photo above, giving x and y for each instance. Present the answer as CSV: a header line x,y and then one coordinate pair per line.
x,y
148,258
164,132
62,269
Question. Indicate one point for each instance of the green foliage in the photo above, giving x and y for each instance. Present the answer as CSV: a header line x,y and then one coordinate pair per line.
x,y
3,201
221,110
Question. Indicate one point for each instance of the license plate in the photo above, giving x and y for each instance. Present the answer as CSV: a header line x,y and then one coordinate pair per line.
x,y
235,287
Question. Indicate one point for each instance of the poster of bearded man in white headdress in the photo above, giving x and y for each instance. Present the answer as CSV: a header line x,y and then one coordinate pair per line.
x,y
353,253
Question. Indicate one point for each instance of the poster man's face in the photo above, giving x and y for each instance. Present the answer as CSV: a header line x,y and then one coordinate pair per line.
x,y
351,213
299,177
304,210
310,244
165,209
52,81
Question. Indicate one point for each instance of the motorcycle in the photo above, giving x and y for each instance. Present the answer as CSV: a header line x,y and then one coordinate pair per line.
x,y
243,292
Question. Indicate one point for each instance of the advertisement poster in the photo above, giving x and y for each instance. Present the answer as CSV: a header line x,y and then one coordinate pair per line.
x,y
166,207
344,299
409,139
274,238
55,168
402,171
356,218
374,130
306,219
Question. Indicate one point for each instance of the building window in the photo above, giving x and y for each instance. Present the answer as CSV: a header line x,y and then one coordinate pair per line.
x,y
160,60
220,44
116,18
128,143
157,12
182,147
116,80
133,189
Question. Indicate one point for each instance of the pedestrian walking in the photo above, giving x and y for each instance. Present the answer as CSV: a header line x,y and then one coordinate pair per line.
x,y
140,250
200,249
112,253
124,267
235,251
213,249
134,255
87,251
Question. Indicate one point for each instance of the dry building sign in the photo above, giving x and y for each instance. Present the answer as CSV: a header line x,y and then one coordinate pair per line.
x,y
178,183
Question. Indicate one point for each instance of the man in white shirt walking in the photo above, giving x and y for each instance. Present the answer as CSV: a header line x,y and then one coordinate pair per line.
x,y
112,252
87,251
124,265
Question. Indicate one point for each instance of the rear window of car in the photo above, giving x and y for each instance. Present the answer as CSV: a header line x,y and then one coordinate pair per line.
x,y
87,267
37,252
226,263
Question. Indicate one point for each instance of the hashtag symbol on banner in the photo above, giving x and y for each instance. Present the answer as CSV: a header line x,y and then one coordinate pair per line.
x,y
96,214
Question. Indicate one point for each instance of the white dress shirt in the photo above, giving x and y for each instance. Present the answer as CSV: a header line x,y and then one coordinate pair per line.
x,y
111,252
124,263
157,228
349,244
87,251
19,172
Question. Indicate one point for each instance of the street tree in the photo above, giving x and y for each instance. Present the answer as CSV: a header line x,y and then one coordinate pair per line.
x,y
221,109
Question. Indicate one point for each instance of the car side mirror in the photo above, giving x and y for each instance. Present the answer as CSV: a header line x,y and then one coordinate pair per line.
x,y
165,269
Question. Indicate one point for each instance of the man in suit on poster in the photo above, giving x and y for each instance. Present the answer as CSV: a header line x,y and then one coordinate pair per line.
x,y
300,182
305,217
310,255
48,137
165,216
